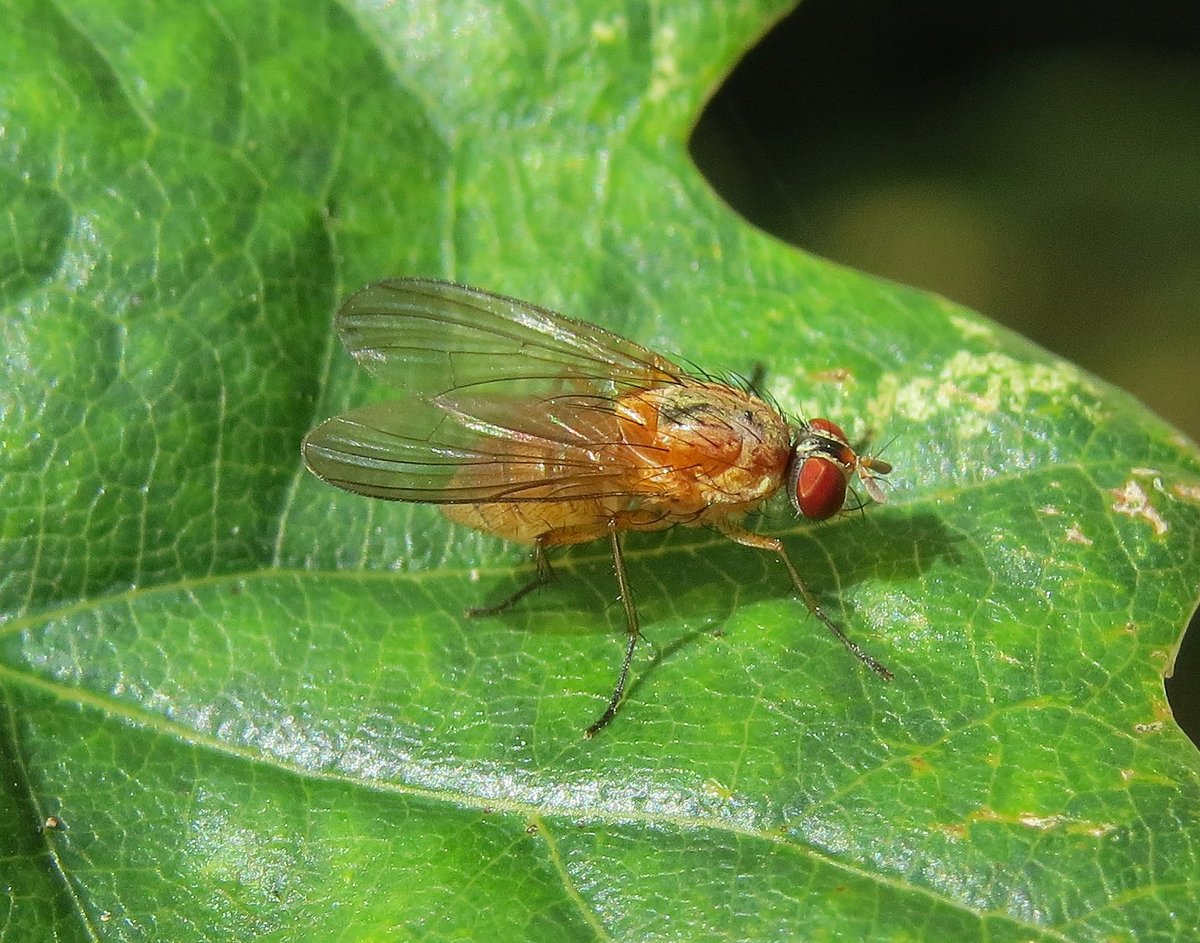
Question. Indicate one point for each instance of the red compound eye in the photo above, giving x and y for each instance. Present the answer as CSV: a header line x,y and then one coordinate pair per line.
x,y
829,428
820,487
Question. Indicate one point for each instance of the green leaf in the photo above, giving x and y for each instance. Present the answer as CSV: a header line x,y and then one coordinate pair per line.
x,y
238,704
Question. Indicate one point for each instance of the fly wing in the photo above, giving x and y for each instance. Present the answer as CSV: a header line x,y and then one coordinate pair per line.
x,y
427,337
500,400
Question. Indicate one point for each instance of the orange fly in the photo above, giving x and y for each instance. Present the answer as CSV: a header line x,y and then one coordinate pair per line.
x,y
549,431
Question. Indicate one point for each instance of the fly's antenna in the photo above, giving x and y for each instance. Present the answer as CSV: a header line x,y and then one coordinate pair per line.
x,y
870,467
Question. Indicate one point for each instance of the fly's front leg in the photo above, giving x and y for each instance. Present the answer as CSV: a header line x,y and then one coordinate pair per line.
x,y
759,542
543,576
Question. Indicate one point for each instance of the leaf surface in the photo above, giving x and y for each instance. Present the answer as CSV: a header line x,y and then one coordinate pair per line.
x,y
237,704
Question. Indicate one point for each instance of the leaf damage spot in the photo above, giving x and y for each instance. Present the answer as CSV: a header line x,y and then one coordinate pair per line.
x,y
1133,501
718,789
835,375
953,832
1189,493
972,328
1046,822
1143,776
606,33
1093,830
1076,536
1029,820
973,387
1050,510
665,77
919,764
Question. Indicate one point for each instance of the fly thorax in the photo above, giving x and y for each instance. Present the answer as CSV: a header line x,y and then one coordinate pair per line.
x,y
725,445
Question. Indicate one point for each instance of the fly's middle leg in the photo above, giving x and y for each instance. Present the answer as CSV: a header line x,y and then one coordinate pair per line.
x,y
632,629
612,527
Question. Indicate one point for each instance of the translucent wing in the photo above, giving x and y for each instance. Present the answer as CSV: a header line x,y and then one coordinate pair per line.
x,y
500,400
425,337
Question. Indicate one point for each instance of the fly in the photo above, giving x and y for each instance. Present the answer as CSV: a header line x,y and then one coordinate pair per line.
x,y
548,431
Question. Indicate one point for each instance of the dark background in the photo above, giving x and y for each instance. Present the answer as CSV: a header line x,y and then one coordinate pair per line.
x,y
1039,163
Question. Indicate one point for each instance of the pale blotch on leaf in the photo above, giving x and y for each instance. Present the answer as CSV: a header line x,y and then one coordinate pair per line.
x,y
1077,536
1133,501
971,387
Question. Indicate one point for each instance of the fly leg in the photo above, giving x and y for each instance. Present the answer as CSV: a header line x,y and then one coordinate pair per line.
x,y
759,542
631,627
543,576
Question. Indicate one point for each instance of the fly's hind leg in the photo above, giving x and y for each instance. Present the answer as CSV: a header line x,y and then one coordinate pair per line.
x,y
760,542
541,578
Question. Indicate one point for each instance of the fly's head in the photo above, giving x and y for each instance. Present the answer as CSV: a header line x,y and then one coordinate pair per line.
x,y
822,466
